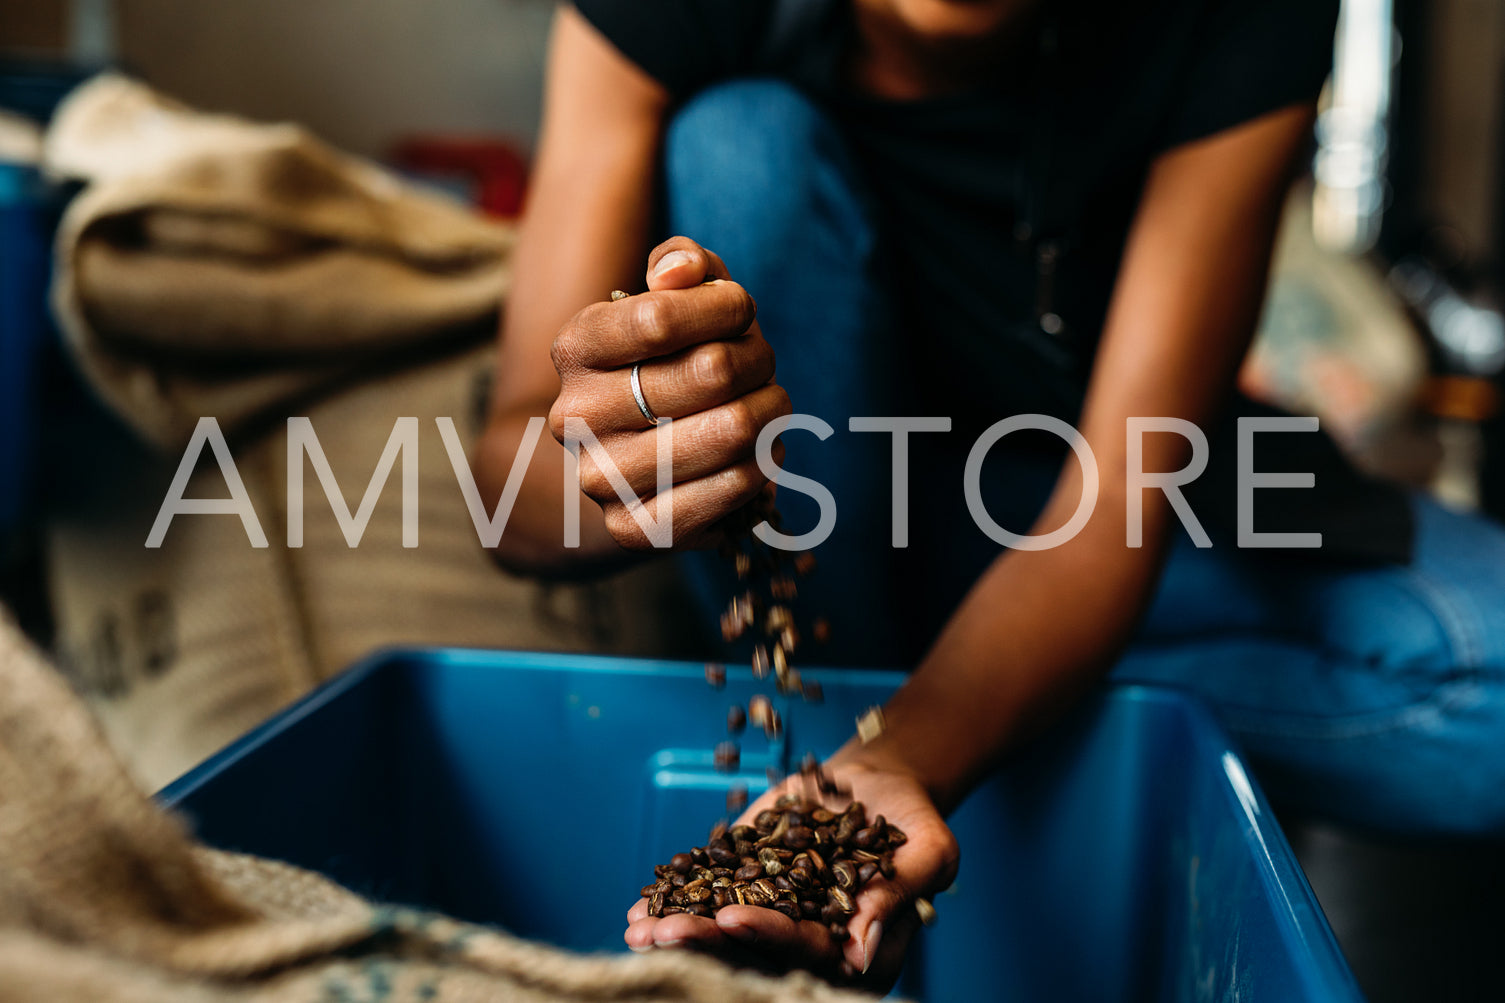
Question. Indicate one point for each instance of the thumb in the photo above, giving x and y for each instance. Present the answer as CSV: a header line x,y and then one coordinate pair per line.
x,y
879,907
680,263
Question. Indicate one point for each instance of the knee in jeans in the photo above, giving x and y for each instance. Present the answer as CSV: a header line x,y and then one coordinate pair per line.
x,y
758,157
1464,796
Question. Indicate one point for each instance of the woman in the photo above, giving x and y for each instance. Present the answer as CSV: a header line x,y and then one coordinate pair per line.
x,y
971,209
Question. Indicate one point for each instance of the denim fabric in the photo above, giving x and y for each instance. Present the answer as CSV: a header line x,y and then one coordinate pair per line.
x,y
1371,696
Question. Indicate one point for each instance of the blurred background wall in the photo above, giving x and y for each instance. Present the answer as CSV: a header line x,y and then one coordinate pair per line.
x,y
360,73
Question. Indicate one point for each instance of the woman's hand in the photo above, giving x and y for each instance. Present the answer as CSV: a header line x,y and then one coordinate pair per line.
x,y
885,920
704,363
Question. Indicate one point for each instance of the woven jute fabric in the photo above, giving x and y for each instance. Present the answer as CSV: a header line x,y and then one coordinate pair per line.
x,y
215,266
106,898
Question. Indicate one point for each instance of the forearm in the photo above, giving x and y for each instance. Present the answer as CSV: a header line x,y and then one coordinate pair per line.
x,y
1041,626
1036,630
533,542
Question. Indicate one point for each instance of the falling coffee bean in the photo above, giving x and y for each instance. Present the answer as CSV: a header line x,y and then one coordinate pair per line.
x,y
736,719
727,757
715,674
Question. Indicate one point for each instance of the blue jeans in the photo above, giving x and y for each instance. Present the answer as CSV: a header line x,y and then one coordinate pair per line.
x,y
1372,696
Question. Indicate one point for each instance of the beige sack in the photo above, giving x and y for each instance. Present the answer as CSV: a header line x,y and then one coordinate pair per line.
x,y
105,899
214,266
183,648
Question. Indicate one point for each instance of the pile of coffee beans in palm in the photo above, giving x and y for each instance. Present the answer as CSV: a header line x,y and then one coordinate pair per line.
x,y
799,858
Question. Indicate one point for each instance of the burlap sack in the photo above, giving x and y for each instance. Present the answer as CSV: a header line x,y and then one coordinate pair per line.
x,y
214,266
105,898
246,272
181,649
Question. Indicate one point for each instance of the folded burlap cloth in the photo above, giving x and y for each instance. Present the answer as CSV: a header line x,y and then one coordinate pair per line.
x,y
105,898
212,266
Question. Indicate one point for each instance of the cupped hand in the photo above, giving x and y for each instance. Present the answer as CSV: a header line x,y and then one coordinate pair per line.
x,y
704,363
885,919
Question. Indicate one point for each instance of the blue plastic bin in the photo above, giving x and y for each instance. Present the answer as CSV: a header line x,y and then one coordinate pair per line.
x,y
1125,857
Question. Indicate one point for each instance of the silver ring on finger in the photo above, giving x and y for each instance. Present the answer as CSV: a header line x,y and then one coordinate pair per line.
x,y
637,395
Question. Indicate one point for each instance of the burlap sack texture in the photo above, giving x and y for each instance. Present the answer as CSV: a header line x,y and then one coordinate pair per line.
x,y
214,266
104,898
195,279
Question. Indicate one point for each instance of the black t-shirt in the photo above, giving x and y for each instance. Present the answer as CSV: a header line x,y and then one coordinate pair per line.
x,y
1004,210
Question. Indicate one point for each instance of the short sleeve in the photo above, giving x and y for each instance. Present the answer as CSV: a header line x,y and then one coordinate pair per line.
x,y
683,44
1252,57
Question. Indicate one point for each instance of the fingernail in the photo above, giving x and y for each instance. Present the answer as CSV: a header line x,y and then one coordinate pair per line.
x,y
640,950
746,934
870,944
667,943
672,260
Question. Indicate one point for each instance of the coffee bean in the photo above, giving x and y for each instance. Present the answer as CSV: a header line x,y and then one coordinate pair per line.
x,y
804,563
813,692
715,674
789,638
760,662
774,727
727,756
870,725
925,911
736,799
839,932
821,630
736,719
779,867
798,837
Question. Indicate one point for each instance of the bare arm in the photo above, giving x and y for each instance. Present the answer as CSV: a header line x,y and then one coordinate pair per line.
x,y
584,233
568,353
1040,626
